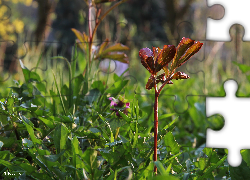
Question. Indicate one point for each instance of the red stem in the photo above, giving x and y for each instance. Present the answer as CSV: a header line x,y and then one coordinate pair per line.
x,y
155,125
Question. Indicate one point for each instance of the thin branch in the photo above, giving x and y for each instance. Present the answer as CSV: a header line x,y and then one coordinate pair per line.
x,y
155,123
105,14
167,80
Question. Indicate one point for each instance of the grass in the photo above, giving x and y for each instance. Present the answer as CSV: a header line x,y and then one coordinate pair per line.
x,y
83,140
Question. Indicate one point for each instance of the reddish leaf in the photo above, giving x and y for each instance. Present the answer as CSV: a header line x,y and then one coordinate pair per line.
x,y
165,56
112,52
82,39
122,57
184,44
180,75
165,68
102,46
116,47
156,52
146,56
150,82
161,78
190,52
78,34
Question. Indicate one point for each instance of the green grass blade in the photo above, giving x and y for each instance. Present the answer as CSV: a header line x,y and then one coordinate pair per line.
x,y
58,90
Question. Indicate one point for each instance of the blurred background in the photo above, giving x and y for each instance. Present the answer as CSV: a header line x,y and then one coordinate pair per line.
x,y
35,30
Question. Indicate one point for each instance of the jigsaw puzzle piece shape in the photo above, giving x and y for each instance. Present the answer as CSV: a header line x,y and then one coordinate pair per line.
x,y
235,112
235,11
219,62
181,104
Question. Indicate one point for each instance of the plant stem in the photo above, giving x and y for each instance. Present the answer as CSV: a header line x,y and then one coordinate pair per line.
x,y
90,31
166,81
155,125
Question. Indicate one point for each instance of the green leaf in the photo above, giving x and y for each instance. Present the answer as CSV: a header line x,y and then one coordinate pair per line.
x,y
168,168
124,140
117,87
65,91
59,173
244,68
111,133
30,76
124,116
31,133
75,144
10,104
49,123
116,77
170,124
246,156
211,168
8,141
66,119
137,109
92,96
41,87
86,82
6,155
60,95
89,157
160,167
170,142
98,85
241,172
166,116
201,163
53,158
78,83
60,136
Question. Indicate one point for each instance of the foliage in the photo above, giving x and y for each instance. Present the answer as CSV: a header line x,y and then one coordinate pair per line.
x,y
159,59
90,141
85,129
86,42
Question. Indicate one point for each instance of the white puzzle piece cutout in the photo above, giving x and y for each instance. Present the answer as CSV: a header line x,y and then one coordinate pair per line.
x,y
236,112
236,12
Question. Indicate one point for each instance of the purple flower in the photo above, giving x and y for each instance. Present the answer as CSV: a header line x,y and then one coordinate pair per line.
x,y
113,103
120,105
127,105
